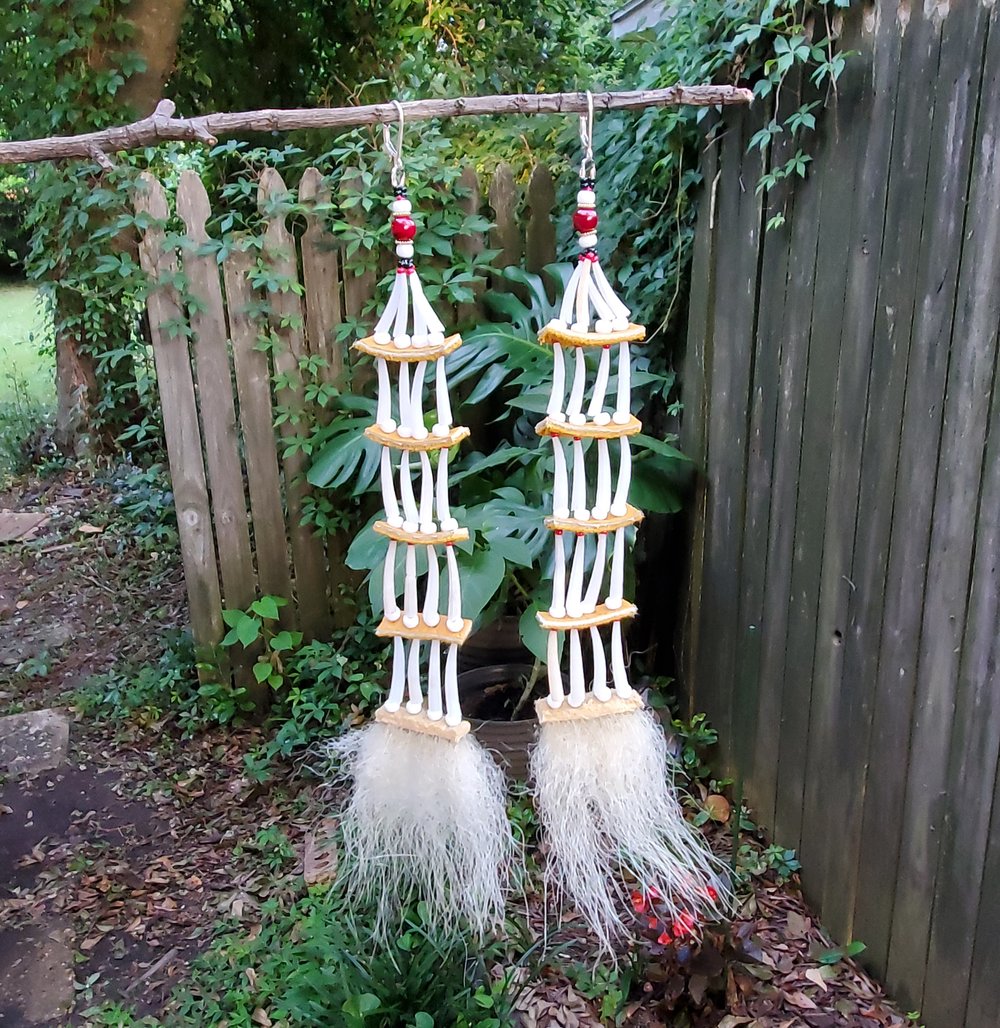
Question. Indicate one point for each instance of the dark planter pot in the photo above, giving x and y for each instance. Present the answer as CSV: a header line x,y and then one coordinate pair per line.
x,y
497,643
489,695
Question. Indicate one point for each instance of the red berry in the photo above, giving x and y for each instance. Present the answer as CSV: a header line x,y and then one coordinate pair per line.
x,y
684,925
664,938
404,228
638,900
585,219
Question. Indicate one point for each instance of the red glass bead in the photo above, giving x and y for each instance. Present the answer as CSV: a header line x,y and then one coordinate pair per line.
x,y
404,228
585,219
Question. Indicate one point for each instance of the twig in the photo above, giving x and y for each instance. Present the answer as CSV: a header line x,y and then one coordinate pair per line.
x,y
528,689
162,126
161,963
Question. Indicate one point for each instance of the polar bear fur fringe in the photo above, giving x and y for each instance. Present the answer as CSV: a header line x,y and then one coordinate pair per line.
x,y
610,814
425,820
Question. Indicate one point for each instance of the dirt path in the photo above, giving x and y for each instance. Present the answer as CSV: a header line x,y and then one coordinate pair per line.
x,y
115,863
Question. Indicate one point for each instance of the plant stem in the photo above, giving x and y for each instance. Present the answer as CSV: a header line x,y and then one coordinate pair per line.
x,y
532,678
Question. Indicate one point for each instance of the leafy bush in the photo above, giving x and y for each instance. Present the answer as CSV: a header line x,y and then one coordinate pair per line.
x,y
149,693
144,500
315,963
13,216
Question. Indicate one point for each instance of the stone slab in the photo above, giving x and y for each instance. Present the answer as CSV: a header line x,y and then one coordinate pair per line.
x,y
36,974
15,525
36,741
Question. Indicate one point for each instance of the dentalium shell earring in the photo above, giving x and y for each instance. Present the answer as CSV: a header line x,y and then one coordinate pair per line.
x,y
601,769
425,818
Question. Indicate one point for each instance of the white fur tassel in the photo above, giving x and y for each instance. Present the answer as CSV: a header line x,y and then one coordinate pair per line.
x,y
604,795
426,819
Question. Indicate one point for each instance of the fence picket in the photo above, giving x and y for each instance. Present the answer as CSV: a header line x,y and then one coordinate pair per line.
x,y
505,235
180,422
321,278
540,232
470,245
218,411
358,287
253,386
288,327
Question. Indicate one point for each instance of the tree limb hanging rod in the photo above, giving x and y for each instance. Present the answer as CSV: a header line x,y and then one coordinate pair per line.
x,y
161,126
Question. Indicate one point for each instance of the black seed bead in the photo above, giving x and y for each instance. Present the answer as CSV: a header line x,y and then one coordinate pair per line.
x,y
588,182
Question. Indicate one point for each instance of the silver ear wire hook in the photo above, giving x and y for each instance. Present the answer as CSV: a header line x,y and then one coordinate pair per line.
x,y
588,169
397,173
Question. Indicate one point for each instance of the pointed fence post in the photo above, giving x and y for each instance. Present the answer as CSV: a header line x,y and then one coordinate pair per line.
x,y
168,330
288,328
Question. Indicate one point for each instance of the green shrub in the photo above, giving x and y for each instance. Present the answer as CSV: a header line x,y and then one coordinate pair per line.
x,y
316,963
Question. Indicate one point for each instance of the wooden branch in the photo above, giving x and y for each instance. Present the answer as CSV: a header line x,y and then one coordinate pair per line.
x,y
161,126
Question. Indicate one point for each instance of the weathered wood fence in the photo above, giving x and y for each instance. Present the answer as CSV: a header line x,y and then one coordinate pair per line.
x,y
239,495
841,395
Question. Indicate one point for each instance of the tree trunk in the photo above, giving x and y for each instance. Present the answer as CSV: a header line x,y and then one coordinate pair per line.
x,y
157,25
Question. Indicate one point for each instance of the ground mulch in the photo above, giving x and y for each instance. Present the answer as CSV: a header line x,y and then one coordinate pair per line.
x,y
158,844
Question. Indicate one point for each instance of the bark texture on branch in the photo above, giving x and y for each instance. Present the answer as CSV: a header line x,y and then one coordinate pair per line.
x,y
162,126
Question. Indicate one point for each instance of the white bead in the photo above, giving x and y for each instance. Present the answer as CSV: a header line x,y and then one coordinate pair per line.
x,y
404,249
588,239
389,425
586,198
581,514
405,432
580,328
455,624
420,432
401,206
578,419
401,341
428,528
449,525
619,324
435,338
439,429
619,510
382,338
409,526
394,616
432,620
602,326
557,323
620,418
395,520
599,515
603,418
558,415
561,512
411,621
419,341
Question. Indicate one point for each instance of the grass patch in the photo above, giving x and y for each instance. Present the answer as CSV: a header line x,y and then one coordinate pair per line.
x,y
27,374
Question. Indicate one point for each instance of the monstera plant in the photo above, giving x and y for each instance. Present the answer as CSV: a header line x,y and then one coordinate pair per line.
x,y
501,478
